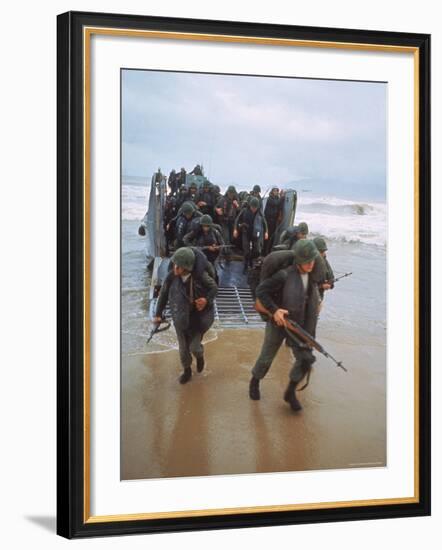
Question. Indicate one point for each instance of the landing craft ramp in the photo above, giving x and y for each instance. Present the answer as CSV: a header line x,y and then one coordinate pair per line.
x,y
234,305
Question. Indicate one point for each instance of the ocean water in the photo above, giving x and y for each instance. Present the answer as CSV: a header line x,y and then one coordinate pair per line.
x,y
356,233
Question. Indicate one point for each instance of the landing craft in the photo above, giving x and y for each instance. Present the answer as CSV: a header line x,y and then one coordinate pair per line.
x,y
234,305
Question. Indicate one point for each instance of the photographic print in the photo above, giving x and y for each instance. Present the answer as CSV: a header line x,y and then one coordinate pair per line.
x,y
253,274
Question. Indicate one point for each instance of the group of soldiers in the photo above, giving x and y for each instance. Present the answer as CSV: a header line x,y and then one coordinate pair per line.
x,y
291,283
217,222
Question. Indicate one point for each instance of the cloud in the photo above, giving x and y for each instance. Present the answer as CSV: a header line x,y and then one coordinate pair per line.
x,y
254,129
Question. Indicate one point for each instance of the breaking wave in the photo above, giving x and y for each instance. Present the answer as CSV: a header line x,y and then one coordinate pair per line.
x,y
134,199
334,218
344,220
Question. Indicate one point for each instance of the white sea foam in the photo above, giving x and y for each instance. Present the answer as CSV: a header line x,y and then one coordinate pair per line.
x,y
333,217
344,220
134,201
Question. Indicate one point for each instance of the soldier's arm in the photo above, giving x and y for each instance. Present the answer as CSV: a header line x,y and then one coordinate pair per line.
x,y
330,273
238,220
211,287
219,238
189,238
264,221
267,288
164,295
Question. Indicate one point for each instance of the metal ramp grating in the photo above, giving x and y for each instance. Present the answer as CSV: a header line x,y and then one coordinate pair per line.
x,y
234,307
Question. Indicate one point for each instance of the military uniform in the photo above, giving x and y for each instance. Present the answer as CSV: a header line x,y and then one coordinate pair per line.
x,y
197,171
256,192
246,222
226,219
199,238
295,291
190,324
172,181
205,199
272,213
184,221
325,275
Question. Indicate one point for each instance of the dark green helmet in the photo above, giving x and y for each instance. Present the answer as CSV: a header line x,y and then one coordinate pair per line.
x,y
254,202
206,220
320,243
187,208
302,228
305,251
231,189
257,189
185,258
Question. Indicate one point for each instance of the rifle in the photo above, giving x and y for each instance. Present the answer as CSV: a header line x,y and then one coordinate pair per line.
x,y
336,279
156,329
216,245
298,334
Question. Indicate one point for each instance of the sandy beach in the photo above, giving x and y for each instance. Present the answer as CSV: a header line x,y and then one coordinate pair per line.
x,y
211,427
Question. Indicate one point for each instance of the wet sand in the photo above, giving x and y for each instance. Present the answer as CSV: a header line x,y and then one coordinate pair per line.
x,y
211,427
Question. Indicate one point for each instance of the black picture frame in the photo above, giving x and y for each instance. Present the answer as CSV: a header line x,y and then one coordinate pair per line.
x,y
71,520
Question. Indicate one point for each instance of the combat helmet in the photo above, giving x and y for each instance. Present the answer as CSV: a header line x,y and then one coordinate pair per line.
x,y
184,257
206,220
231,189
320,243
256,189
187,208
254,202
305,252
302,228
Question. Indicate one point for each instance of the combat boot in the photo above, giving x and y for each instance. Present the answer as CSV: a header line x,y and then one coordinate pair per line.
x,y
290,397
254,392
200,363
186,375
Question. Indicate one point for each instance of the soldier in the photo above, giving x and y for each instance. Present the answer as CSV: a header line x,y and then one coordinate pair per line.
x,y
226,210
172,181
183,225
205,199
193,192
170,212
207,237
292,293
182,196
197,171
190,296
181,178
256,192
253,226
273,212
290,236
326,281
217,193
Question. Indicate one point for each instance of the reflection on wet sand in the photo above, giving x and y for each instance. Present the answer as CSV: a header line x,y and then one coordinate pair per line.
x,y
210,426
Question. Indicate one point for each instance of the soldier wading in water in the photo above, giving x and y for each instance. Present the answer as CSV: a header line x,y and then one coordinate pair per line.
x,y
190,291
291,293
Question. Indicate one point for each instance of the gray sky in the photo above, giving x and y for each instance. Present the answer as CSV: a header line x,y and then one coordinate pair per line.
x,y
248,130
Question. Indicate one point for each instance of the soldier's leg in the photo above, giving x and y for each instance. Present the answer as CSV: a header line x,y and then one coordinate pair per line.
x,y
246,249
273,338
304,359
185,356
197,349
201,322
